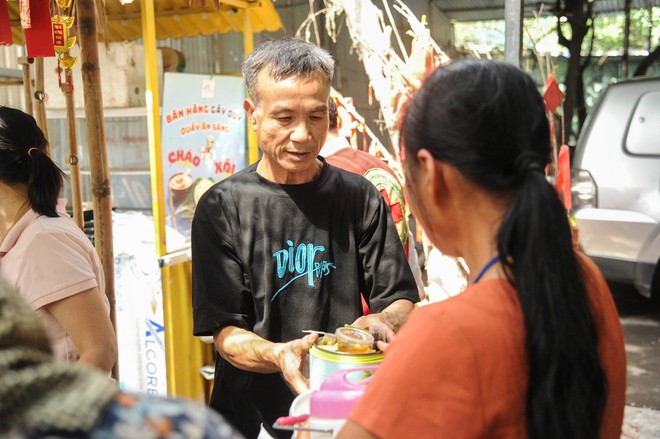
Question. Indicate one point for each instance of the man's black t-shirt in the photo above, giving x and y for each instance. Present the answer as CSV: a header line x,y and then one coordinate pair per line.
x,y
277,259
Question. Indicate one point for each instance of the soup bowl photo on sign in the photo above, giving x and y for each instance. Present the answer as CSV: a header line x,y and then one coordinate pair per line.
x,y
180,185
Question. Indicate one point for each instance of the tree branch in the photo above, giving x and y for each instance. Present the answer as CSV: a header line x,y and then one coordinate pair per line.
x,y
587,59
647,61
561,38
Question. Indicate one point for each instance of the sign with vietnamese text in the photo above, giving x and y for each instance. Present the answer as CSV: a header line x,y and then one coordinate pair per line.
x,y
203,140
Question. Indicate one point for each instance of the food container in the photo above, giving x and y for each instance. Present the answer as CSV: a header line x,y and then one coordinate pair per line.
x,y
333,402
352,340
321,413
323,361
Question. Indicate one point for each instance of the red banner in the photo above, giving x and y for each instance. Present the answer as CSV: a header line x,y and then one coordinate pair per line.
x,y
564,177
39,37
5,25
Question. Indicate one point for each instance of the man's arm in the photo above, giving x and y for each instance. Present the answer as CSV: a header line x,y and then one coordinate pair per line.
x,y
247,351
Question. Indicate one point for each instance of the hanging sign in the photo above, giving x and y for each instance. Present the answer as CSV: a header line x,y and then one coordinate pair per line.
x,y
139,306
37,27
203,140
5,25
63,42
552,96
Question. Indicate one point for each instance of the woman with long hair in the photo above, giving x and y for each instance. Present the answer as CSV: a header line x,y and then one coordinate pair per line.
x,y
45,257
533,347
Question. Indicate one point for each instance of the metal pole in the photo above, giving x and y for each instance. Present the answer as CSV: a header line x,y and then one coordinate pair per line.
x,y
513,15
183,378
248,48
626,39
152,97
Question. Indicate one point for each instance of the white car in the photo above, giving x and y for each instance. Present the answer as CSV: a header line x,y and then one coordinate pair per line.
x,y
616,184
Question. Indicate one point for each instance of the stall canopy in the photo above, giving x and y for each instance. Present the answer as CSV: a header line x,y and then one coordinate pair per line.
x,y
175,18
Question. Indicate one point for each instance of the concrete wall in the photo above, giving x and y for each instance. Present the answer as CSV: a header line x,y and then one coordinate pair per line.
x,y
122,77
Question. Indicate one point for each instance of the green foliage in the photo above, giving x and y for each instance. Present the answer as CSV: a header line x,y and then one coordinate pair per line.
x,y
609,31
488,36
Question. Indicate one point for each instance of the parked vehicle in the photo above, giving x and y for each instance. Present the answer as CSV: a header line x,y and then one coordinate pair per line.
x,y
616,184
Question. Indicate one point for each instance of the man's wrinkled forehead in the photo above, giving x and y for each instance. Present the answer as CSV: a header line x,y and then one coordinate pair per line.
x,y
265,76
277,75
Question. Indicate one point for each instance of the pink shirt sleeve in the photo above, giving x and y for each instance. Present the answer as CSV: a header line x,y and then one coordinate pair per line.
x,y
54,267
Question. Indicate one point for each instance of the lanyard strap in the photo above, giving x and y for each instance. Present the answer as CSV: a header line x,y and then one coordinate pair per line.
x,y
483,271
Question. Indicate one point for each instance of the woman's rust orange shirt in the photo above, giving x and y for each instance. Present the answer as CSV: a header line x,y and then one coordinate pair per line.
x,y
458,368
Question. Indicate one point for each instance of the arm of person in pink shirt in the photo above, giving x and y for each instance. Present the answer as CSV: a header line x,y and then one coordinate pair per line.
x,y
84,317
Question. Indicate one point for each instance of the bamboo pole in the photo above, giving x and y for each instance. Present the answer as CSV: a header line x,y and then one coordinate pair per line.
x,y
402,48
74,166
40,98
25,62
98,153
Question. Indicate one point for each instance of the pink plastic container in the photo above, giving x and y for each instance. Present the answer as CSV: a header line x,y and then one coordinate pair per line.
x,y
332,403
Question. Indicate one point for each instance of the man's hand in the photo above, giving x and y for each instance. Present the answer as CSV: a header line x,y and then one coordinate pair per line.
x,y
385,324
291,358
247,351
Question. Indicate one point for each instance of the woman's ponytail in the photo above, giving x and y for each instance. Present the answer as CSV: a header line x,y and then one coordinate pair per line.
x,y
45,180
23,160
535,246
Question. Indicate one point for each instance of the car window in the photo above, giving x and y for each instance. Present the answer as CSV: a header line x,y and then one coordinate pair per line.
x,y
644,129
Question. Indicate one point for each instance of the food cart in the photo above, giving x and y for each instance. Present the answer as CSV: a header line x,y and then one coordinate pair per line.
x,y
127,20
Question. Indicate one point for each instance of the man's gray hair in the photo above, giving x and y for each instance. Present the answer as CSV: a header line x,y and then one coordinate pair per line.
x,y
285,58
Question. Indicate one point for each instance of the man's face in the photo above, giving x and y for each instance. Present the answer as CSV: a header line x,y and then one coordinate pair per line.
x,y
291,122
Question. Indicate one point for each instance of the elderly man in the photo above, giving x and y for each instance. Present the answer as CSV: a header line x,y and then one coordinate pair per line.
x,y
288,244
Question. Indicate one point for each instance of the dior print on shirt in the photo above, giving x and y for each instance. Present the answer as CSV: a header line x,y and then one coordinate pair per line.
x,y
299,262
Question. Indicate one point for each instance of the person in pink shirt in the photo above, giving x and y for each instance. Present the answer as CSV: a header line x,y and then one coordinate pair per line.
x,y
44,256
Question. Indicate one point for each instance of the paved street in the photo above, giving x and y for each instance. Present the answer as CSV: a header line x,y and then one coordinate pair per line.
x,y
641,327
